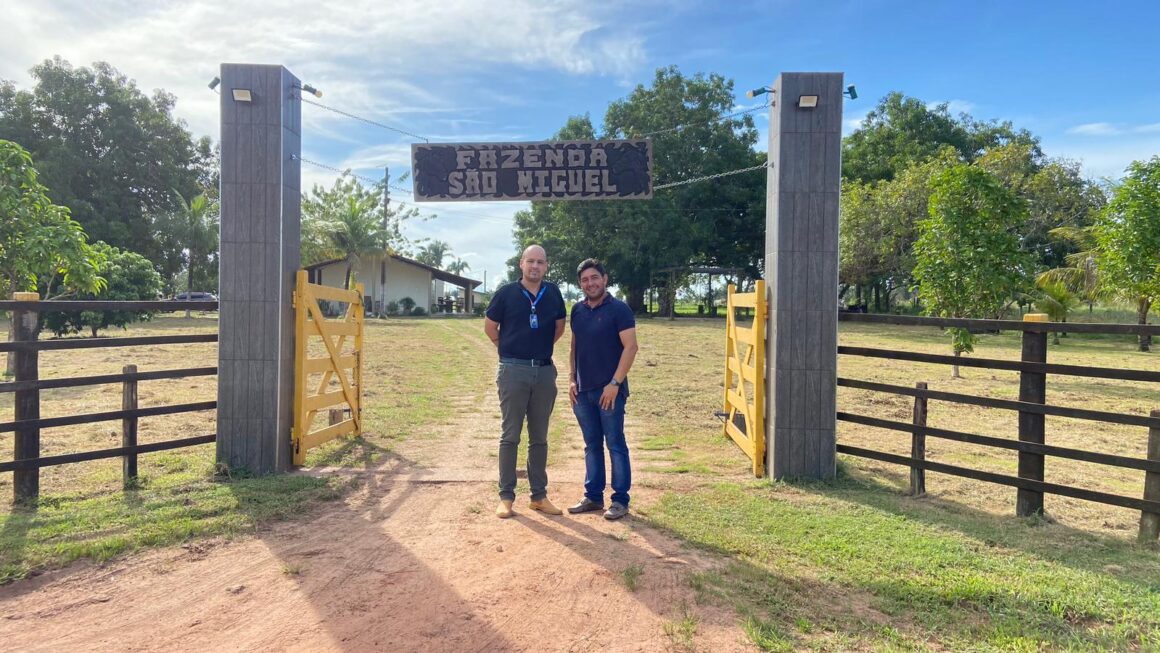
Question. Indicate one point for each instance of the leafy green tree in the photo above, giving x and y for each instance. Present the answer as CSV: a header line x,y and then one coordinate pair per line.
x,y
1079,274
1127,237
193,226
902,131
714,223
129,277
108,151
967,258
41,247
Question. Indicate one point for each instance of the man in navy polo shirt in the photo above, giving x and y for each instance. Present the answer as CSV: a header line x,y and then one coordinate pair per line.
x,y
524,320
603,349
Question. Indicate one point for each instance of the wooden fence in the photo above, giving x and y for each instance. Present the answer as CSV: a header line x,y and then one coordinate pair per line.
x,y
1031,447
27,424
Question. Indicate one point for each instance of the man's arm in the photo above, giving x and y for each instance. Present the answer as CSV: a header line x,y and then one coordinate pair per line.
x,y
491,328
559,330
573,387
628,339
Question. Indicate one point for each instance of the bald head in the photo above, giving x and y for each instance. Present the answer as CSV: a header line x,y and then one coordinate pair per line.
x,y
534,264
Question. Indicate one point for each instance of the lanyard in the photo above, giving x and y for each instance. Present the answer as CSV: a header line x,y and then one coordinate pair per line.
x,y
529,296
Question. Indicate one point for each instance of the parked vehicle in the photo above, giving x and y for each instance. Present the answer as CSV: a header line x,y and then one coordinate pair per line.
x,y
194,296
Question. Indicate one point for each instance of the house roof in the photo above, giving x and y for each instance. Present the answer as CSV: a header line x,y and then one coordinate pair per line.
x,y
442,275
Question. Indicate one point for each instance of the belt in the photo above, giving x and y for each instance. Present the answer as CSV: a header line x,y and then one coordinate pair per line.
x,y
530,362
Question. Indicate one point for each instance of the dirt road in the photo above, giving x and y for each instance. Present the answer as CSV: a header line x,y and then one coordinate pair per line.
x,y
414,560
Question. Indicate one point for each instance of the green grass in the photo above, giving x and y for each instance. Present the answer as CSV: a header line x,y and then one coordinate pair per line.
x,y
631,575
848,558
163,510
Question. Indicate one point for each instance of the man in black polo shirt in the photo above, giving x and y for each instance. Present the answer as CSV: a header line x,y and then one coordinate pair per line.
x,y
603,349
524,320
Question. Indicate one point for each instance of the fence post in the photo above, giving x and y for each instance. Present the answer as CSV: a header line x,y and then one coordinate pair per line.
x,y
918,443
1150,521
1032,389
26,482
129,427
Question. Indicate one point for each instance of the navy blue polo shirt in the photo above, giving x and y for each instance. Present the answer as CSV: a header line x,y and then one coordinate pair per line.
x,y
596,332
512,309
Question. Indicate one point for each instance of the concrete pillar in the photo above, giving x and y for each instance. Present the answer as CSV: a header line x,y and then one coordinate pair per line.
x,y
260,236
801,267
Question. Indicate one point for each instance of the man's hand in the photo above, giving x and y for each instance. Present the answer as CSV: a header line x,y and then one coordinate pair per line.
x,y
572,390
608,397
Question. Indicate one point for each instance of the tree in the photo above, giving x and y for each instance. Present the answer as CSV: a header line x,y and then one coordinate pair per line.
x,y
109,152
719,223
901,131
348,221
967,258
433,253
1079,274
193,226
1055,300
458,266
41,247
129,277
1127,235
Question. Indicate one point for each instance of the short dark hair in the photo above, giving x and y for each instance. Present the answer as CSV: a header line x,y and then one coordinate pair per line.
x,y
588,264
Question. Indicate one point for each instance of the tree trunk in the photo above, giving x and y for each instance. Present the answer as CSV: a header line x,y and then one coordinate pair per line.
x,y
349,270
955,368
1142,307
188,286
634,297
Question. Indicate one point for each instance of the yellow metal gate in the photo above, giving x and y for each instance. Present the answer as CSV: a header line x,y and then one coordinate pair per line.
x,y
330,380
745,375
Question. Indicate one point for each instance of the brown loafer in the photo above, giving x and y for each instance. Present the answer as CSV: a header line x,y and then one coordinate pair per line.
x,y
546,507
504,510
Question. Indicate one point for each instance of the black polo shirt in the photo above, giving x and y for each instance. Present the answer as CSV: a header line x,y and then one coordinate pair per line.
x,y
512,309
596,332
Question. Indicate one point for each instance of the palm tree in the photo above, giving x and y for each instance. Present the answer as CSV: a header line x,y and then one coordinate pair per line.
x,y
1080,277
433,253
459,266
1057,301
196,224
355,231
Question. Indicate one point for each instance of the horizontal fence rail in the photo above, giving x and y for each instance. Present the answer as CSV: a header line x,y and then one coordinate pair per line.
x,y
79,381
117,452
1002,325
1031,407
28,423
62,306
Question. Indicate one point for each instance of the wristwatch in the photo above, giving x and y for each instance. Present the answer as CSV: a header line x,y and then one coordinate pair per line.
x,y
614,381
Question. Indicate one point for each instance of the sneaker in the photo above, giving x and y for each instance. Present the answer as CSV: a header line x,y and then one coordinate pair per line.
x,y
585,505
616,511
504,510
545,506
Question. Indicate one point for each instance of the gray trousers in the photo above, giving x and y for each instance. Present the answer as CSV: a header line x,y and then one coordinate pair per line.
x,y
525,392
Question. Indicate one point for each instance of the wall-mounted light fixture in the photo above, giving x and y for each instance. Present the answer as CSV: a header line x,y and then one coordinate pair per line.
x,y
807,101
758,91
213,83
243,95
311,90
851,92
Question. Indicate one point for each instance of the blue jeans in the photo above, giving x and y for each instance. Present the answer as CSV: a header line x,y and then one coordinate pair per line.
x,y
601,426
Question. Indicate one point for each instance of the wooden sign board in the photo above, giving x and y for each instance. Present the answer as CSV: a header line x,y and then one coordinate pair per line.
x,y
546,170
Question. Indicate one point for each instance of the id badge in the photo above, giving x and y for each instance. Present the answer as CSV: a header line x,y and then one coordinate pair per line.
x,y
534,321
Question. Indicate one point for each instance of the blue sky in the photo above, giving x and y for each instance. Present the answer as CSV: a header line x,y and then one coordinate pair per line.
x,y
1083,76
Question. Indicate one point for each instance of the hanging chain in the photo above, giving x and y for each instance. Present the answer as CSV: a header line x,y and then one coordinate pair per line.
x,y
708,177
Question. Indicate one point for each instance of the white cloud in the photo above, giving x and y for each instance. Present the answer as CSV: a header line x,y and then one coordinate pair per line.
x,y
1104,158
1095,129
381,58
1153,128
955,107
